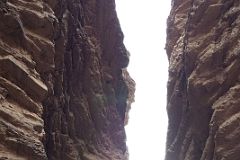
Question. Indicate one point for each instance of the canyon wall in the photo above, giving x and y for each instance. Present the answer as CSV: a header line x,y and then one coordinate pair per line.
x,y
203,47
64,88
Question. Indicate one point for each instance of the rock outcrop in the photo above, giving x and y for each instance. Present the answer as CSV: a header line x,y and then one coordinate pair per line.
x,y
64,88
204,84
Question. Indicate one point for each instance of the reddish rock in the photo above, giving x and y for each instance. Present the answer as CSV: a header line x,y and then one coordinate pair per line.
x,y
203,87
64,88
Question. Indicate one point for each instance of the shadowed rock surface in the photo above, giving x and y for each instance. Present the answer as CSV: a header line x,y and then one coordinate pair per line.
x,y
64,88
203,47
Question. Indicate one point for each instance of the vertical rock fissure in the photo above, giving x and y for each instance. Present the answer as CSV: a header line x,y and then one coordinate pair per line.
x,y
189,111
182,129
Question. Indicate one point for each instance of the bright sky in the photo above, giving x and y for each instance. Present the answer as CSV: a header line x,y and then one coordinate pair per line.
x,y
144,26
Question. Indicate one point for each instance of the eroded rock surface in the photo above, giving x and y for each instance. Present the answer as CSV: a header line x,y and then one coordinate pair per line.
x,y
64,88
204,85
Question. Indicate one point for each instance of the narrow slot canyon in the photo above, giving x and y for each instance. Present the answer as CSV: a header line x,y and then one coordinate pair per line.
x,y
144,27
119,80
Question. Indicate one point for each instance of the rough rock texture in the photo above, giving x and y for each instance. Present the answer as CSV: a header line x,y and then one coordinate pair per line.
x,y
64,89
203,47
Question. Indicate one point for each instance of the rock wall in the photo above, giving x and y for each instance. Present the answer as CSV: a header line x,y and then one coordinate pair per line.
x,y
203,46
64,88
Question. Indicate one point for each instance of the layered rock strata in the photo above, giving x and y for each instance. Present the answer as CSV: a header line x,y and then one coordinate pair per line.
x,y
204,84
64,88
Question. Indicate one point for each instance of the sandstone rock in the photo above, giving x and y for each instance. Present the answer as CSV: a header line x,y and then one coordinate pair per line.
x,y
203,50
64,89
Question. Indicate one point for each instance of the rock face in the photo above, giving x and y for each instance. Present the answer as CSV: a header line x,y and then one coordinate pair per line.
x,y
64,88
204,84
